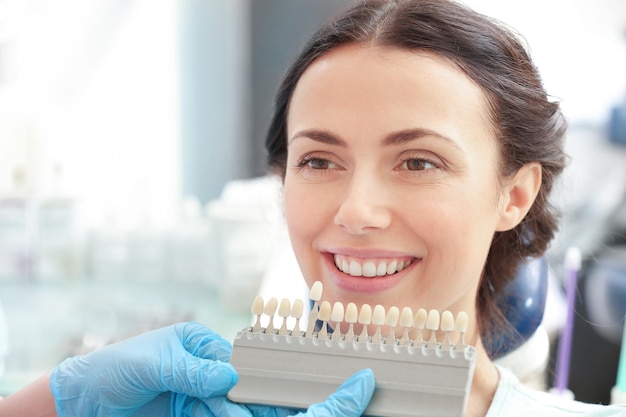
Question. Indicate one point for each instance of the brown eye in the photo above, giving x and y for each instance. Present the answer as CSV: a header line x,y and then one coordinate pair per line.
x,y
418,164
317,163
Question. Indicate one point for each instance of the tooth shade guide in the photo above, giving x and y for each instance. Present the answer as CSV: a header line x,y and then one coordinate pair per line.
x,y
410,379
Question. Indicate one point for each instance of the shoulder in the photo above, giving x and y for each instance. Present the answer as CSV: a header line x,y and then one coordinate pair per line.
x,y
513,399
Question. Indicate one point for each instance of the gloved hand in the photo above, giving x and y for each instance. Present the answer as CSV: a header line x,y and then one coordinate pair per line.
x,y
165,372
350,400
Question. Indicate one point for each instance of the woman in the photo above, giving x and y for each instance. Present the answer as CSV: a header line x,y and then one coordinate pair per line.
x,y
418,150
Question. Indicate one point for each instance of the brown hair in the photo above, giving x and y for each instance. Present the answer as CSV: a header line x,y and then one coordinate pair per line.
x,y
529,126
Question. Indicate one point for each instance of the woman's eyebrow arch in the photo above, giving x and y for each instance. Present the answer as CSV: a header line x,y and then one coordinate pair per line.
x,y
395,138
403,136
322,136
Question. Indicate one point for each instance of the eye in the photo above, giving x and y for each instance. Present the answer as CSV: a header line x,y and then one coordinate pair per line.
x,y
418,164
316,163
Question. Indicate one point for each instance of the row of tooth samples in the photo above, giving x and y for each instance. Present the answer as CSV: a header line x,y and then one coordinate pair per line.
x,y
424,324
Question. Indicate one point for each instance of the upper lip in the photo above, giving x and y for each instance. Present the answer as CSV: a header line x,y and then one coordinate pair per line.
x,y
369,253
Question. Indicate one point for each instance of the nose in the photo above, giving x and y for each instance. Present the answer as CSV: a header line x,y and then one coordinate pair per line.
x,y
364,207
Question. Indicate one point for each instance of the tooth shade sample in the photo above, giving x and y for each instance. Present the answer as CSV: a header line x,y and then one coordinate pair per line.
x,y
447,321
365,316
285,308
406,317
351,313
433,320
392,316
337,312
316,291
378,316
419,321
297,309
257,305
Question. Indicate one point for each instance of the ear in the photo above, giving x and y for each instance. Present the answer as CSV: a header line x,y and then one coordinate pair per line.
x,y
518,196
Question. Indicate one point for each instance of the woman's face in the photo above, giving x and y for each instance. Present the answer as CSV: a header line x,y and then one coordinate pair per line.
x,y
391,187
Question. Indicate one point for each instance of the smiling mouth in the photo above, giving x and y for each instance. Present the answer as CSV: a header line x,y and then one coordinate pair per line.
x,y
370,268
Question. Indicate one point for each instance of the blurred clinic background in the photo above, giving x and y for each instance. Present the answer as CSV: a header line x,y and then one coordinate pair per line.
x,y
132,187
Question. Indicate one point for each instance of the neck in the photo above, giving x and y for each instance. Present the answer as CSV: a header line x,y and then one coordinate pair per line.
x,y
484,384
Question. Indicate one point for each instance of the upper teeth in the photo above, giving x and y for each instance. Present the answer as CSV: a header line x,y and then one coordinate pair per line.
x,y
370,267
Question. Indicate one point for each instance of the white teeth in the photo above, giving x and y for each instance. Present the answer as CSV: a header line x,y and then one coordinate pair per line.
x,y
355,269
369,268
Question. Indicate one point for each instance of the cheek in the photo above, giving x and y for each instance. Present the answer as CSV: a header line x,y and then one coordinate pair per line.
x,y
307,215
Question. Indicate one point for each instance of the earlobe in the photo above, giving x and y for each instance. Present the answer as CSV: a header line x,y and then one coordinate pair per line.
x,y
518,196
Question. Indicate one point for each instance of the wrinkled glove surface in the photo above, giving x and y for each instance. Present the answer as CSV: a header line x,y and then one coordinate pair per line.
x,y
164,372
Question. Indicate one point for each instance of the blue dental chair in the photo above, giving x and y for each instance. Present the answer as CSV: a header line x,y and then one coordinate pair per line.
x,y
523,304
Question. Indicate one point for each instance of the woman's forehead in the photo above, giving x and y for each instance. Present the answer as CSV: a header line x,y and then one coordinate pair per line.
x,y
388,85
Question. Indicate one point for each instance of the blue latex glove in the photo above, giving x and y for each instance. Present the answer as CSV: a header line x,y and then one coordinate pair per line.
x,y
165,372
350,400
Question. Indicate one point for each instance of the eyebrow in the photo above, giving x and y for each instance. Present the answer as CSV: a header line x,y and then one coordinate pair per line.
x,y
395,138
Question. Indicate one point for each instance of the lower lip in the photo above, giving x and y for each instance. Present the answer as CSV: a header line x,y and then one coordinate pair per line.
x,y
364,284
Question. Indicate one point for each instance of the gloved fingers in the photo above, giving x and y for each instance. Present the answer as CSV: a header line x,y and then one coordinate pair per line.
x,y
222,406
202,342
350,399
199,378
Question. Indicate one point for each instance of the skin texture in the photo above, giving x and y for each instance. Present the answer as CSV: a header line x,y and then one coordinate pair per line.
x,y
34,400
391,156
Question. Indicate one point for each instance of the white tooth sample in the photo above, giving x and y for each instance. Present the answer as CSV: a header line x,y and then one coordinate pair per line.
x,y
316,291
460,326
352,315
355,269
419,322
432,324
369,269
345,267
391,268
447,325
400,266
324,317
336,316
365,318
337,261
378,320
296,312
382,269
257,310
391,320
283,311
270,310
315,294
406,321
